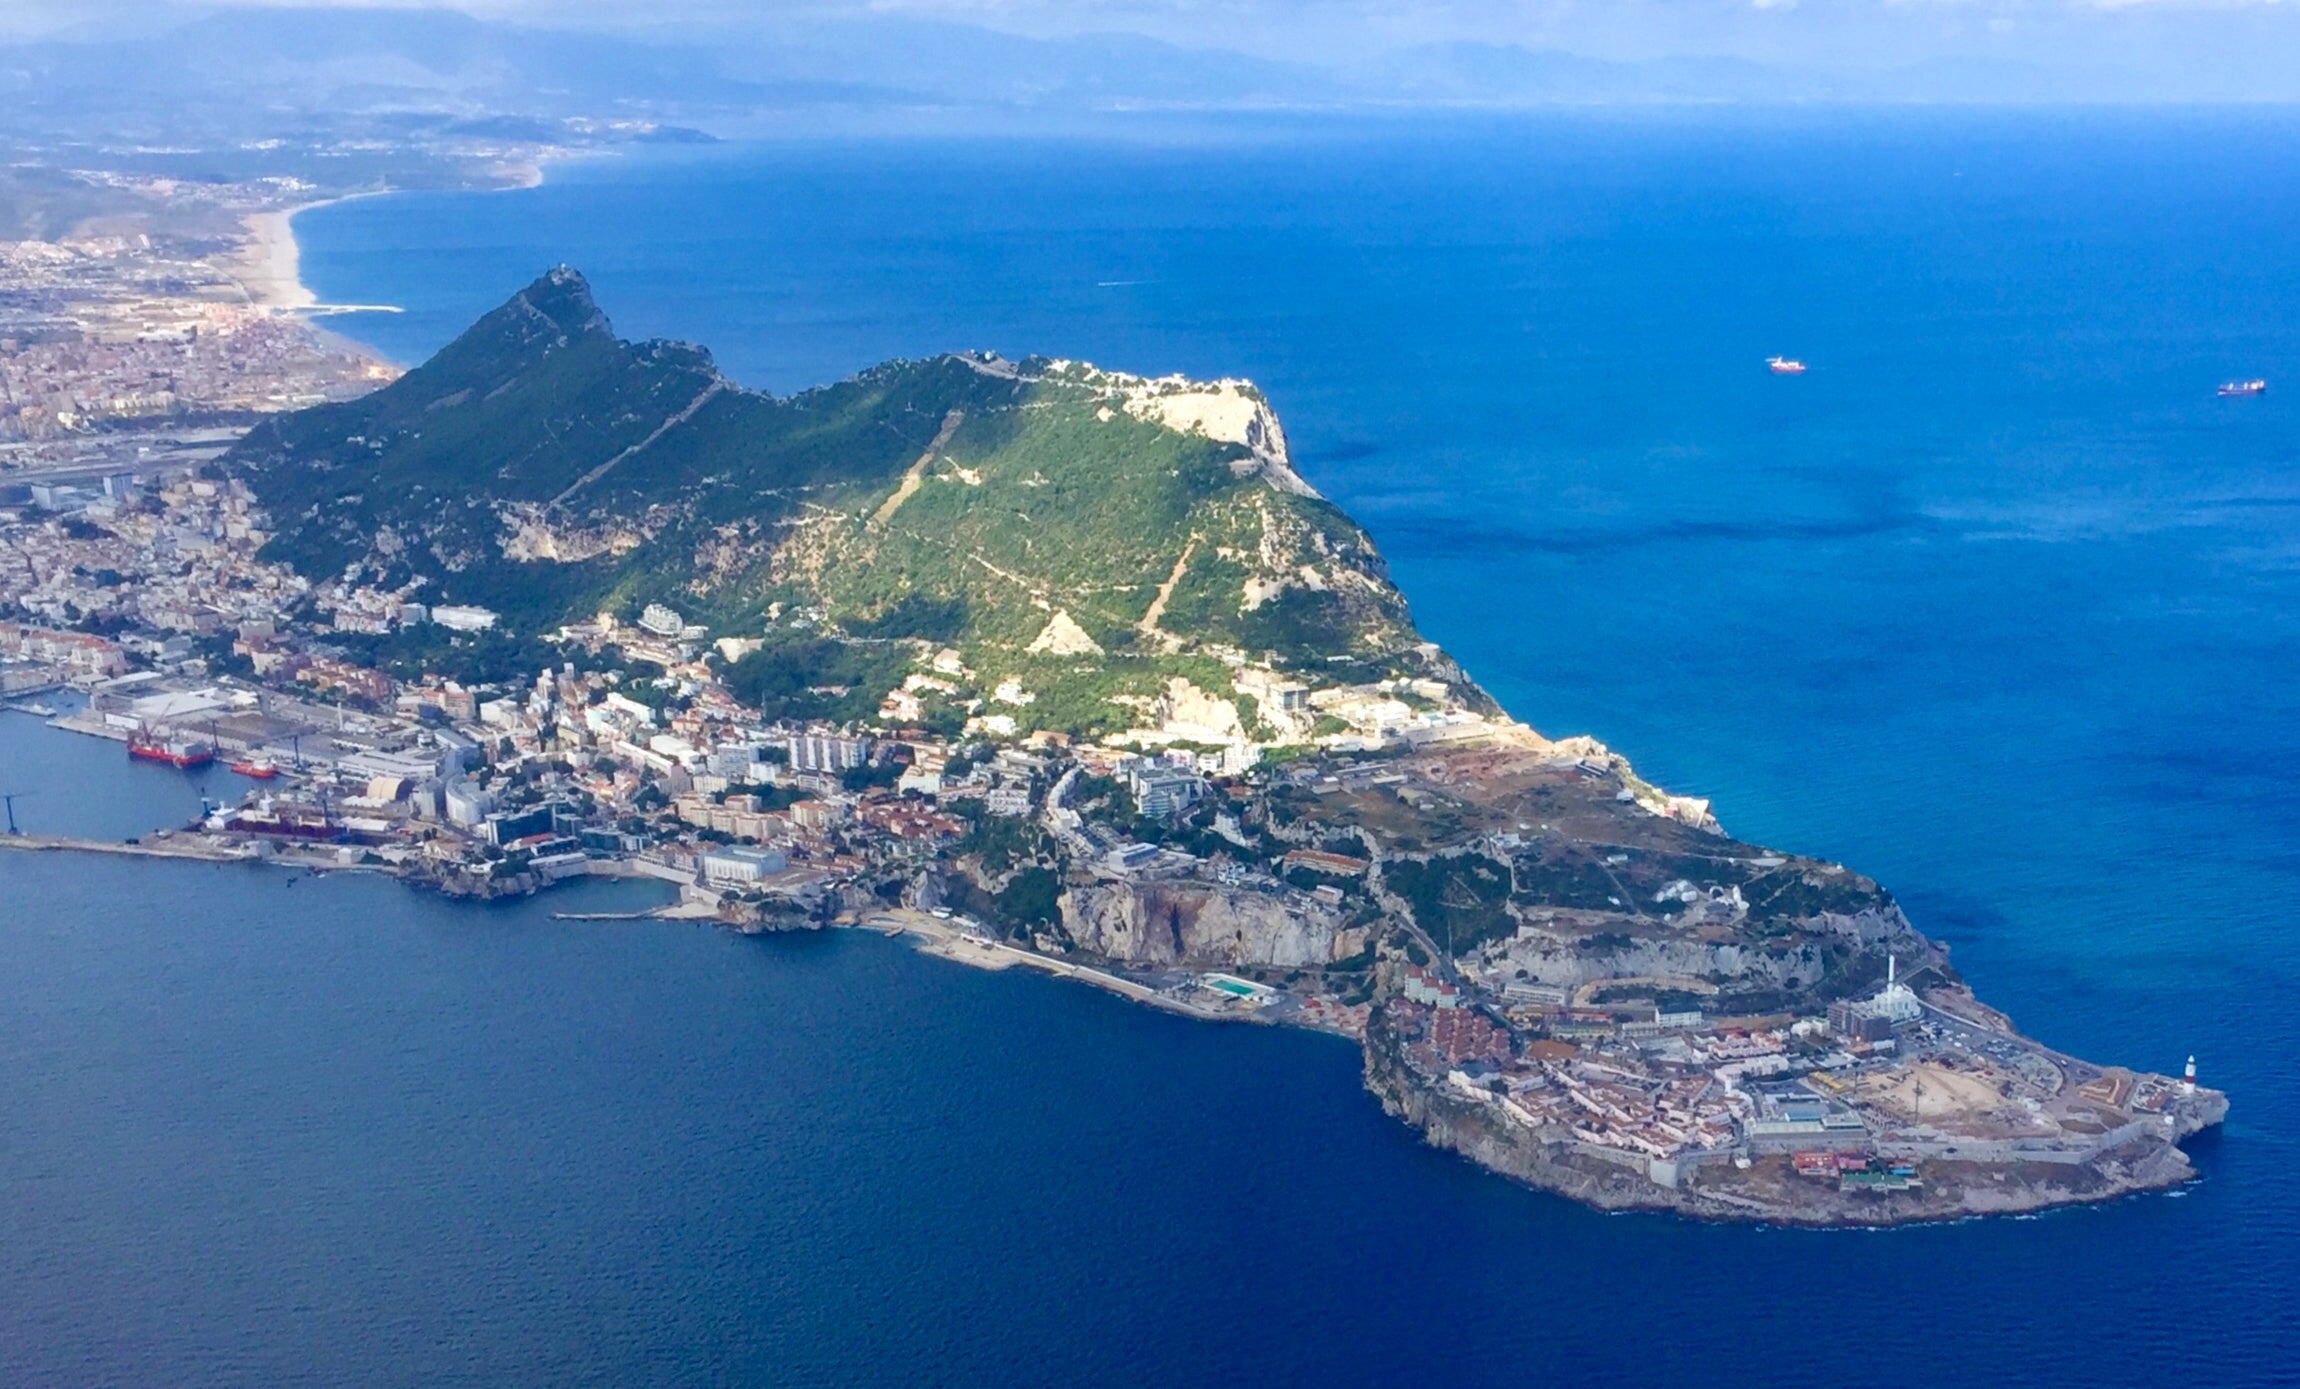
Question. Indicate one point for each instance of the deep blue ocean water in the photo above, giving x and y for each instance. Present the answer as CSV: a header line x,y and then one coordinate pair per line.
x,y
1996,603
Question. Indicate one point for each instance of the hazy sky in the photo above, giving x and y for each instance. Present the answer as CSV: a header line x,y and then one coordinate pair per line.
x,y
1847,34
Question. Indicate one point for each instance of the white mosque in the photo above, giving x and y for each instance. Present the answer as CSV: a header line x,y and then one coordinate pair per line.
x,y
1896,1001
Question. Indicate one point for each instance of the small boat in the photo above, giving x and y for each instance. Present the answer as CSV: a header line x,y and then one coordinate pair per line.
x,y
1785,366
261,768
176,752
2232,389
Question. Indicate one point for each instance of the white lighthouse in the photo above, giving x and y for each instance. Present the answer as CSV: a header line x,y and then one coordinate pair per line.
x,y
2188,1078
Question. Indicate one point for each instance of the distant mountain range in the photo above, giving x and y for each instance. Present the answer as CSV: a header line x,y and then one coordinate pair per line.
x,y
241,71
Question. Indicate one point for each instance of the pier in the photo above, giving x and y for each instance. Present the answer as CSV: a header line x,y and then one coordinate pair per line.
x,y
187,846
154,847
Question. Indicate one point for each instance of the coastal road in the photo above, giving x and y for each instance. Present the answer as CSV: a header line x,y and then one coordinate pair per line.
x,y
950,941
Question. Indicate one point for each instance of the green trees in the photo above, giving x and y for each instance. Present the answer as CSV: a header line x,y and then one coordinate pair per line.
x,y
1031,898
544,468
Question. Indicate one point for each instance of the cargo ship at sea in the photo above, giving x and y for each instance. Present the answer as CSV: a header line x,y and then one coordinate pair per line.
x,y
176,752
1785,366
2256,386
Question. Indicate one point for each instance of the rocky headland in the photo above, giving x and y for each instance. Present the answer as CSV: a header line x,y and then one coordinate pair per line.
x,y
1074,667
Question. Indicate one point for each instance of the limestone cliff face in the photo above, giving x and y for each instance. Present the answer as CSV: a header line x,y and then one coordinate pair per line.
x,y
1568,960
1229,411
1479,1132
1879,929
1194,924
1563,963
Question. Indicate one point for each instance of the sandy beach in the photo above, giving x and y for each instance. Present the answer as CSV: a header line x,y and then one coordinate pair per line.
x,y
269,263
268,266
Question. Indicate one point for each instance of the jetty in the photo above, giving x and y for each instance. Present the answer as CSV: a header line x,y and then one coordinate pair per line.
x,y
175,845
172,846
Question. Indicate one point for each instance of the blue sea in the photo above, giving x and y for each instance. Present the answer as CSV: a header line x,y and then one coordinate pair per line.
x,y
1996,603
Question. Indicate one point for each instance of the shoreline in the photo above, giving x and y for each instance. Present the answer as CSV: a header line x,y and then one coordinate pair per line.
x,y
2131,1165
278,253
931,937
2136,1164
268,263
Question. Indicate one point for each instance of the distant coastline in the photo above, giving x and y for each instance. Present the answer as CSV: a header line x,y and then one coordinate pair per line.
x,y
268,263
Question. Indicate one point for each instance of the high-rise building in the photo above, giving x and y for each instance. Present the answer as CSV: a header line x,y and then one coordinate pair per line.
x,y
822,752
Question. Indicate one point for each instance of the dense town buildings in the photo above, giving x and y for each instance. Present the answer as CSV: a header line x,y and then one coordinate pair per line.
x,y
1373,858
133,349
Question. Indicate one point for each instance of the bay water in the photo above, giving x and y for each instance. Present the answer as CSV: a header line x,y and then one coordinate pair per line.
x,y
1996,603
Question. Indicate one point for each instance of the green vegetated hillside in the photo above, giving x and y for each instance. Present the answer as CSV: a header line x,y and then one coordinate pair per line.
x,y
1080,532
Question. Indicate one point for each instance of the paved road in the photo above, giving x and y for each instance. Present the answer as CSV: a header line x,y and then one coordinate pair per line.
x,y
943,933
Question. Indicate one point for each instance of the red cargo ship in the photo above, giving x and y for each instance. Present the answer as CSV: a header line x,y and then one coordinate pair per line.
x,y
260,768
176,752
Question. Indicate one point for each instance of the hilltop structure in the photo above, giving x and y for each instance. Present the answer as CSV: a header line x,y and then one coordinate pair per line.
x,y
1076,668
